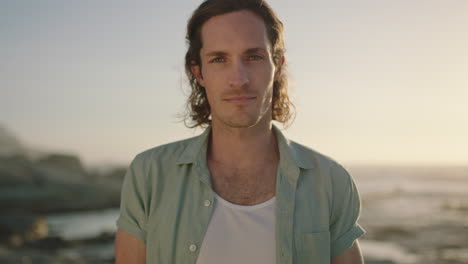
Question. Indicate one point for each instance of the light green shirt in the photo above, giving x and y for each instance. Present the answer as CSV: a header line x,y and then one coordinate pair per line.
x,y
167,202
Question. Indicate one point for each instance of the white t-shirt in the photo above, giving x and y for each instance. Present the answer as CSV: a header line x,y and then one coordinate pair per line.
x,y
240,234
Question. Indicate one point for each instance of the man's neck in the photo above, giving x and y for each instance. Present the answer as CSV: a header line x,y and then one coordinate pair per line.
x,y
243,148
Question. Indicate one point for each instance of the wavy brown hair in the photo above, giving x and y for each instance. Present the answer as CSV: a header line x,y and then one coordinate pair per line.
x,y
198,109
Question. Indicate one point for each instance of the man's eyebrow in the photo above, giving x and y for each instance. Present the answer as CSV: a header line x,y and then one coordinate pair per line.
x,y
255,50
215,53
219,53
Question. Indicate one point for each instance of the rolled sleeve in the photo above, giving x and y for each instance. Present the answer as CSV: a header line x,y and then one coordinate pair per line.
x,y
346,209
132,218
346,240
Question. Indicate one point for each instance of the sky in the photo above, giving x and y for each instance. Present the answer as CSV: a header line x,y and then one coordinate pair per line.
x,y
374,82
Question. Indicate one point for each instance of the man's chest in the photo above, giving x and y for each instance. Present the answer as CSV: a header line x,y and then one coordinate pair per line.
x,y
183,205
244,186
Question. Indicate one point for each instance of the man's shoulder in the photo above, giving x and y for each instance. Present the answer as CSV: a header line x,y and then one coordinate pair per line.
x,y
306,153
164,153
324,167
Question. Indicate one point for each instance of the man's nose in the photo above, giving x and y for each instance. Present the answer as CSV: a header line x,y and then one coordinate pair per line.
x,y
239,76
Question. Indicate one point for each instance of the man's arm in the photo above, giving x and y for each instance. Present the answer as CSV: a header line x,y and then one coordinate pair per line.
x,y
351,256
129,249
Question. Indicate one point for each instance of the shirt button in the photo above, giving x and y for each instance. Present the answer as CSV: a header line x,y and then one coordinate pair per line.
x,y
192,248
207,203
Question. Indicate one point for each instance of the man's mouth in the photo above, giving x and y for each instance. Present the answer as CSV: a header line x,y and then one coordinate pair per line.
x,y
240,99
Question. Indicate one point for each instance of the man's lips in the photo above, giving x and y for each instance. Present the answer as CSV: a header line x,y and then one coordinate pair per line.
x,y
240,99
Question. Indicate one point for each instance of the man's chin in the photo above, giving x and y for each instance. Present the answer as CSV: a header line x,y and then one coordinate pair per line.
x,y
242,120
244,123
240,123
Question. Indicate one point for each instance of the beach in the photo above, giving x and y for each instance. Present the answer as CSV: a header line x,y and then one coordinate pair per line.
x,y
412,215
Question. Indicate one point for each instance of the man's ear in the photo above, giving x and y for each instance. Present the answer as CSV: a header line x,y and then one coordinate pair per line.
x,y
279,67
196,71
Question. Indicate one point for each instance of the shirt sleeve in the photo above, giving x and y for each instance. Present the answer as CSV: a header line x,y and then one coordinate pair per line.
x,y
132,218
344,229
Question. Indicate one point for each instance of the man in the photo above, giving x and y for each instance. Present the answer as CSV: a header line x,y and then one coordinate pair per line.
x,y
240,192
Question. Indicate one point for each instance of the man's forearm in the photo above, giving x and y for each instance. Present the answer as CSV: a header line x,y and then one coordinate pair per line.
x,y
351,256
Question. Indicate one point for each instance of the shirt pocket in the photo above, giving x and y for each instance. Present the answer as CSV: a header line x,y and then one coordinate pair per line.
x,y
314,248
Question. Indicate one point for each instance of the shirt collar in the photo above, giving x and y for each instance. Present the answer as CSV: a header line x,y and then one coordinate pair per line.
x,y
291,153
196,149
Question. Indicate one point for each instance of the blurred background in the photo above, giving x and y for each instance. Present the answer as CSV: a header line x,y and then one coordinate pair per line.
x,y
380,86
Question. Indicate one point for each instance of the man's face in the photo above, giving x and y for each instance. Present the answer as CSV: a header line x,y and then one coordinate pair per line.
x,y
237,69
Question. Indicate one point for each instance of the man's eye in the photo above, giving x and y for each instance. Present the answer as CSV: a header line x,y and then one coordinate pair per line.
x,y
255,57
217,59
